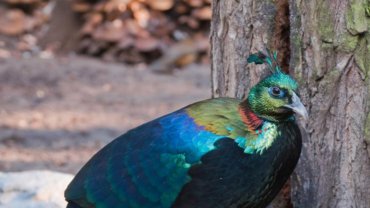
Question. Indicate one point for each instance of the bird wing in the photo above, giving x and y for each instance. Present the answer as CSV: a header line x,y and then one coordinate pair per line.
x,y
145,167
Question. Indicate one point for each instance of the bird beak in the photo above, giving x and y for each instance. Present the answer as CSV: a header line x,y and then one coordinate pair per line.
x,y
298,107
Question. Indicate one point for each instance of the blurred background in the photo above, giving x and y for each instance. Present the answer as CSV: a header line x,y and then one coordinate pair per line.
x,y
75,74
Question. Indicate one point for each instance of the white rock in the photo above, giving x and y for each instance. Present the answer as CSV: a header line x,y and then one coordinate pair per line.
x,y
33,189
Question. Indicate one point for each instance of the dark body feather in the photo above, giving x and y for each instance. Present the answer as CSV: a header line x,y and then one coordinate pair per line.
x,y
173,161
248,181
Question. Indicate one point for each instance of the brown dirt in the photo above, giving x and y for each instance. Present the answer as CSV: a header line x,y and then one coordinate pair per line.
x,y
56,113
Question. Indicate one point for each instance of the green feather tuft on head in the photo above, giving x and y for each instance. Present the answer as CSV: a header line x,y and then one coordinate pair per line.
x,y
257,58
269,58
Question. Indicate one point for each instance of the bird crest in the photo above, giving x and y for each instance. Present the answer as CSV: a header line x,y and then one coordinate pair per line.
x,y
269,58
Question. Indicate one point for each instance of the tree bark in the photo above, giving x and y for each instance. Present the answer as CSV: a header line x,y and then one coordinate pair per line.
x,y
328,52
330,57
238,27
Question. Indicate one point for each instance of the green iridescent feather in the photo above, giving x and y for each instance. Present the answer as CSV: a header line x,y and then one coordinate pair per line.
x,y
225,119
269,58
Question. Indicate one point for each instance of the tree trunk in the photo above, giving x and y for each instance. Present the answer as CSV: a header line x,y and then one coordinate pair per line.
x,y
328,52
64,25
330,57
237,28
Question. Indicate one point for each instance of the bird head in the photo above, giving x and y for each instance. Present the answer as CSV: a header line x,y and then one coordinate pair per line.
x,y
275,97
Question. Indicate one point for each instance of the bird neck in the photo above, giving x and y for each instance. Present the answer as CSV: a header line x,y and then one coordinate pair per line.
x,y
262,132
250,119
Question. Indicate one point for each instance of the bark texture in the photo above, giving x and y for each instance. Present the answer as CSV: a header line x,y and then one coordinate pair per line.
x,y
328,52
330,58
237,28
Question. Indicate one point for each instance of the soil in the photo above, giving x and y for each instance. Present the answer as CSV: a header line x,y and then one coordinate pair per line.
x,y
56,113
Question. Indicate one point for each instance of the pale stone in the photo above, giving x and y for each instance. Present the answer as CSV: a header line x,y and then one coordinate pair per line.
x,y
33,189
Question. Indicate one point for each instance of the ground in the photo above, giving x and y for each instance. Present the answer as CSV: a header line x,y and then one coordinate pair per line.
x,y
56,113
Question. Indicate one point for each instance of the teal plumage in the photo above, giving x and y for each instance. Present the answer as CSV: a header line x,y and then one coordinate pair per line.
x,y
220,152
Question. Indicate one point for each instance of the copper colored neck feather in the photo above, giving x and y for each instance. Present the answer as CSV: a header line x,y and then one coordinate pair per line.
x,y
251,120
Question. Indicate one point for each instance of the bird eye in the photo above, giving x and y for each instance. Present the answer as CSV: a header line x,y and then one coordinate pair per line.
x,y
276,92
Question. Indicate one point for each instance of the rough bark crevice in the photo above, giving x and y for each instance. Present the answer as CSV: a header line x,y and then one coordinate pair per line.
x,y
281,38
